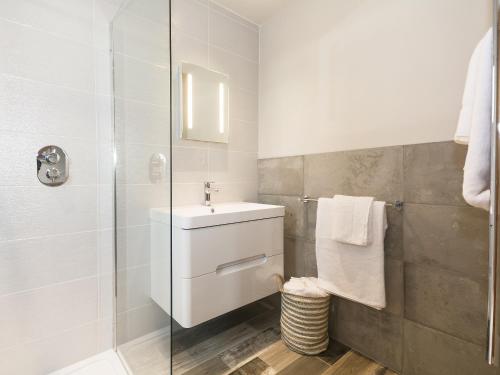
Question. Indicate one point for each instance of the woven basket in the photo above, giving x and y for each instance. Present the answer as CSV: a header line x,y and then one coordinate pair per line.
x,y
304,322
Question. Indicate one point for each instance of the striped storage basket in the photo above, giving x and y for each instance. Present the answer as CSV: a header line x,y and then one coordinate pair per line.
x,y
304,322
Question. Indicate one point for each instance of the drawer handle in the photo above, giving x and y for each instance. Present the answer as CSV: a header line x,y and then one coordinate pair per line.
x,y
240,265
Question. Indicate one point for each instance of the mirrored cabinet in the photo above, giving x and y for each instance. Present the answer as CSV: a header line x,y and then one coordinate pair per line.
x,y
204,103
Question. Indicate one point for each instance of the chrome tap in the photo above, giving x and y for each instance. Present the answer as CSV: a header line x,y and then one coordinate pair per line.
x,y
208,191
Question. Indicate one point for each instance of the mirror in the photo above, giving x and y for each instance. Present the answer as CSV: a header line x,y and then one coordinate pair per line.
x,y
205,99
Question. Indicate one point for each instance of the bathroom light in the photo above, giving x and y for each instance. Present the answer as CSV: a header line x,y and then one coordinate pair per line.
x,y
190,100
221,108
204,97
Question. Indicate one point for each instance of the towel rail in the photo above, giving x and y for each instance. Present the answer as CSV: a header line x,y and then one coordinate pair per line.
x,y
491,345
398,205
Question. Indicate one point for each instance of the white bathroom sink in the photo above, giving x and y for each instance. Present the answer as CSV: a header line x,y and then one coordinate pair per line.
x,y
191,217
228,249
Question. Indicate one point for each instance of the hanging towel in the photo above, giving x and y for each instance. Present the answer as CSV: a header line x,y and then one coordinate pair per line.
x,y
474,125
465,118
351,216
351,271
304,286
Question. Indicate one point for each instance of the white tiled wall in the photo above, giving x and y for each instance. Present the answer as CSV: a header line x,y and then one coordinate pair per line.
x,y
205,34
55,243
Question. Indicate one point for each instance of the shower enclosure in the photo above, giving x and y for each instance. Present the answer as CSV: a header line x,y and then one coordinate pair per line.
x,y
140,35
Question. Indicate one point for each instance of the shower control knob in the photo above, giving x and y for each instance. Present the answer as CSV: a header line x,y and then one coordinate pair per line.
x,y
53,173
52,165
52,158
49,157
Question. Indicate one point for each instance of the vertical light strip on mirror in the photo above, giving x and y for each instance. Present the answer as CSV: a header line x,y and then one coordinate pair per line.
x,y
190,100
222,106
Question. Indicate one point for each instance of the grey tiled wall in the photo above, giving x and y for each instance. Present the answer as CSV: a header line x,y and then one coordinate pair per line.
x,y
436,252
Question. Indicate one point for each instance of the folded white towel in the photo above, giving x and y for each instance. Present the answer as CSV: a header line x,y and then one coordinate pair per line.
x,y
475,120
351,216
304,286
347,270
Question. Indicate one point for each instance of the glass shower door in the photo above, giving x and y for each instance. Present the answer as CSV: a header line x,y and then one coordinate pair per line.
x,y
141,76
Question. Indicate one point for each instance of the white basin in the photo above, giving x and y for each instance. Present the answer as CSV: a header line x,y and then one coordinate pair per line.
x,y
191,217
230,250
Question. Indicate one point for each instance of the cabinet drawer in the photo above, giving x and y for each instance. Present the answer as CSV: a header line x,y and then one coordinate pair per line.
x,y
196,300
200,251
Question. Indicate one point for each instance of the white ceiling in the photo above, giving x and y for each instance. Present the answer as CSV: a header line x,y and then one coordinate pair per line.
x,y
256,11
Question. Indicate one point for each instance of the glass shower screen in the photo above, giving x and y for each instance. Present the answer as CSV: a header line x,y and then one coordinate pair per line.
x,y
141,77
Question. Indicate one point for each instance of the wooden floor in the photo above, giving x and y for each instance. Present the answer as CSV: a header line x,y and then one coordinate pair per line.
x,y
245,342
278,359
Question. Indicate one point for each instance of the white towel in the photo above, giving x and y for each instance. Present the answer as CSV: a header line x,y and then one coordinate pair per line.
x,y
304,286
347,270
465,119
351,216
474,125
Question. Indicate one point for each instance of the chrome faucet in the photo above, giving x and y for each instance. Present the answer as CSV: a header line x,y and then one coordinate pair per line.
x,y
208,191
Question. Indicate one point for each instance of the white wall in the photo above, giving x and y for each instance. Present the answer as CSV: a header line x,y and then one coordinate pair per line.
x,y
338,75
55,242
206,34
